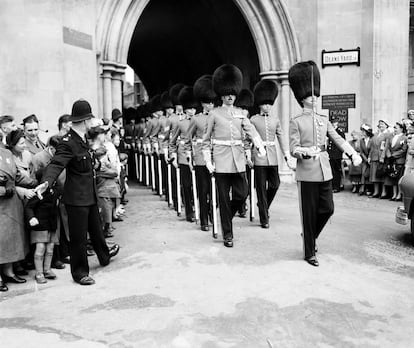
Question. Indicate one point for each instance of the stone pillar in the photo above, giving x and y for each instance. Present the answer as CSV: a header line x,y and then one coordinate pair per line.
x,y
117,80
283,111
107,69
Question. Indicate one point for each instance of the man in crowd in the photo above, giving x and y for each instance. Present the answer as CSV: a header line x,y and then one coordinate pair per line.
x,y
7,125
31,134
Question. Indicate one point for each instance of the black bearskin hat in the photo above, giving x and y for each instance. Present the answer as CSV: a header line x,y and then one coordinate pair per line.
x,y
265,92
300,80
166,102
187,99
245,99
155,103
227,80
203,89
174,92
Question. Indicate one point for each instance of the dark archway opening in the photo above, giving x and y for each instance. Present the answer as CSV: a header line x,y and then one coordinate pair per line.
x,y
180,40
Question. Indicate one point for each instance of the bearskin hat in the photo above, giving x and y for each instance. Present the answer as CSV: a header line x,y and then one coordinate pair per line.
x,y
174,92
265,92
166,102
155,103
300,80
203,89
227,80
187,99
245,99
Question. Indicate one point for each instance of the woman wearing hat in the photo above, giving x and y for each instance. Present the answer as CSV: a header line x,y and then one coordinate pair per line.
x,y
364,147
376,158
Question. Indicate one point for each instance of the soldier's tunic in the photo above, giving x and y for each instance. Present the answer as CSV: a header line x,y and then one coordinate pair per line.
x,y
173,121
314,175
266,169
224,132
194,142
177,146
80,198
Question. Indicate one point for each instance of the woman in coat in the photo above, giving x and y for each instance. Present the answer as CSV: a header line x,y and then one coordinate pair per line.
x,y
396,151
376,158
364,148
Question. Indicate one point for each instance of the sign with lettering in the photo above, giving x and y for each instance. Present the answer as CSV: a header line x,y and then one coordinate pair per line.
x,y
338,105
341,57
77,38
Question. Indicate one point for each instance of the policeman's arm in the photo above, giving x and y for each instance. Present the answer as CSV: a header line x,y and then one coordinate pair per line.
x,y
58,163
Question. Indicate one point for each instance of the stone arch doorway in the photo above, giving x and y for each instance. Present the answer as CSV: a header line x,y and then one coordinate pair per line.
x,y
125,26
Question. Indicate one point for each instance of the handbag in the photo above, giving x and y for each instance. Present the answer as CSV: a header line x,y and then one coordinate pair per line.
x,y
381,170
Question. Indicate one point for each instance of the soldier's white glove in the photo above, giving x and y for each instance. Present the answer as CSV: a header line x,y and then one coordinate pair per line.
x,y
291,162
210,167
249,158
356,159
174,160
262,151
156,148
33,222
189,159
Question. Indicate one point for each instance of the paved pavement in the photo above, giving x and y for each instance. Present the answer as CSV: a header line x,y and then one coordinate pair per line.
x,y
173,286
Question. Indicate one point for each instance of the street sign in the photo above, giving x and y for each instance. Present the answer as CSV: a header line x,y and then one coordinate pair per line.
x,y
341,57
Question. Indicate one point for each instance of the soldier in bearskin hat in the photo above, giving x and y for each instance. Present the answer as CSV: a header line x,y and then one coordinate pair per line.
x,y
73,153
269,128
204,94
225,127
180,156
174,119
308,134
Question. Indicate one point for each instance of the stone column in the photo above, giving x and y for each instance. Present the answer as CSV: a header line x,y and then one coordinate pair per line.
x,y
283,111
107,69
117,80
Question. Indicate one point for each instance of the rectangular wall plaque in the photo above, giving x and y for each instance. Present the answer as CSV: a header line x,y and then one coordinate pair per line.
x,y
77,38
341,57
338,101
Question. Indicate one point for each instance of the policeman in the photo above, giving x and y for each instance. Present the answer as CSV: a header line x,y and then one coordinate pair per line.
x,y
204,94
178,153
269,128
79,194
308,134
174,118
335,158
224,131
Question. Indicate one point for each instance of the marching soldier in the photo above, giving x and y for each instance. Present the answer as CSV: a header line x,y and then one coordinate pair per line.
x,y
204,93
74,154
308,134
269,128
174,118
163,137
178,153
224,131
245,102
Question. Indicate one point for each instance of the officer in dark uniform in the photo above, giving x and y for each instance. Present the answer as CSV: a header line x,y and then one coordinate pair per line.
x,y
335,158
79,196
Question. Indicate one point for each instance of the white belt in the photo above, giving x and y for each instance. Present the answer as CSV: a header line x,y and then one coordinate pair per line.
x,y
269,143
182,142
227,142
161,136
197,141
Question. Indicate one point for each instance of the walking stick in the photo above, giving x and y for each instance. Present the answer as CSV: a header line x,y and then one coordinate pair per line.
x,y
178,192
152,172
252,194
195,199
169,183
146,170
214,203
159,177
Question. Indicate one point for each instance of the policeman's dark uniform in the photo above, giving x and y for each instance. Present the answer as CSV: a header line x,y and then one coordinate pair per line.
x,y
80,199
335,159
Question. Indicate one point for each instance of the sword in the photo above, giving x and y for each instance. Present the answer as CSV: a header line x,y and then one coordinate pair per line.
x,y
170,201
159,177
178,192
152,172
252,194
214,203
136,166
196,207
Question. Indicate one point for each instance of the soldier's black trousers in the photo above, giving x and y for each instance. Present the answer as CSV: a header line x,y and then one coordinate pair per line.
x,y
237,183
164,171
316,206
156,172
267,183
81,221
203,183
185,176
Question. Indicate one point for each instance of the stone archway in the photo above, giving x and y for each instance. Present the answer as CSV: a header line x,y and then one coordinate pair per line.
x,y
269,23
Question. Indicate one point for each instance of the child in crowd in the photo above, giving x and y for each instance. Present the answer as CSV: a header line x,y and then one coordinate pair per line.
x,y
42,216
